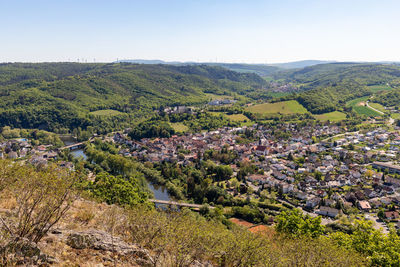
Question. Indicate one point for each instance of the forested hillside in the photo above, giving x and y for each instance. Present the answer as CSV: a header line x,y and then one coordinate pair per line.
x,y
260,69
334,73
61,96
322,88
389,99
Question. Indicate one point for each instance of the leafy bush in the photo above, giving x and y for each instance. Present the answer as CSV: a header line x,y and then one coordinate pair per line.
x,y
42,198
180,238
117,190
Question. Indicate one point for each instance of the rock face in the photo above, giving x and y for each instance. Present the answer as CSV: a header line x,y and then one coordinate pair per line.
x,y
22,247
100,240
21,250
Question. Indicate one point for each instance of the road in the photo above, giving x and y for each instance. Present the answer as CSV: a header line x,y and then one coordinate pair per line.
x,y
391,120
342,134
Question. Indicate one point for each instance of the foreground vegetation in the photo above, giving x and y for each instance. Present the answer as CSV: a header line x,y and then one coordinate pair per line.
x,y
40,199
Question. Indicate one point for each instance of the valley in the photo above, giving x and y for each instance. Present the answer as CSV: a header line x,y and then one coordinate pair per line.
x,y
229,147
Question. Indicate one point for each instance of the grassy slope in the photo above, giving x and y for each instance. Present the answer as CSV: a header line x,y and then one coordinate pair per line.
x,y
377,106
355,102
331,116
237,117
360,109
215,97
379,88
395,116
179,127
285,107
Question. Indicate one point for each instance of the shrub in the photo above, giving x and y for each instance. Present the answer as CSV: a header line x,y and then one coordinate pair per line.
x,y
180,238
42,197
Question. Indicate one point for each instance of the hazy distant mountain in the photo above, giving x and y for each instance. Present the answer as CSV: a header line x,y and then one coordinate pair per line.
x,y
300,64
144,61
260,69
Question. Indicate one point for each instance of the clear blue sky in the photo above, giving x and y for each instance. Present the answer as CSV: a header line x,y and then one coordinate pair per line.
x,y
200,30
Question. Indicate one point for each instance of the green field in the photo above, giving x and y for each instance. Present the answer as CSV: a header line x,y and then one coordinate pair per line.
x,y
331,116
379,88
237,117
355,102
179,127
363,110
358,107
377,106
106,112
284,107
214,96
395,116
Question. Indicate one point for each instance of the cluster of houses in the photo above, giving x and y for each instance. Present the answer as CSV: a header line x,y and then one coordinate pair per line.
x,y
23,149
220,102
346,171
323,177
347,178
279,87
179,110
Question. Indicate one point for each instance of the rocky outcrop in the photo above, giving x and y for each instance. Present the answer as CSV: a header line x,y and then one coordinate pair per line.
x,y
22,251
100,240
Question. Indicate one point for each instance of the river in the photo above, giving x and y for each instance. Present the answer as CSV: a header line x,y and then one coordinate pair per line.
x,y
160,192
78,153
70,140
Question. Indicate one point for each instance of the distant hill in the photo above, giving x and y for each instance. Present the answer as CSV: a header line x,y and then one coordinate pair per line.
x,y
333,73
325,87
260,69
300,64
54,96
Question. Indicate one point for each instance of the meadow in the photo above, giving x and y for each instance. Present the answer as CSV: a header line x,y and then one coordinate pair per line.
x,y
179,127
237,117
363,110
378,106
379,88
359,107
215,97
331,116
395,116
357,101
284,107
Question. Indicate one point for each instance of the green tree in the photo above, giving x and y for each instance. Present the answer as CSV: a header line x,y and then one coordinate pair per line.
x,y
294,224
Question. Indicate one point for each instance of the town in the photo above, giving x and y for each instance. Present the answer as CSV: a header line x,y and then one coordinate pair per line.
x,y
343,173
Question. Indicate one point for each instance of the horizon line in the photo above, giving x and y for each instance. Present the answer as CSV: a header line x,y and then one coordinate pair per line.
x,y
85,61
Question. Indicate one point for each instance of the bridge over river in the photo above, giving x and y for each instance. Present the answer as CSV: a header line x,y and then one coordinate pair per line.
x,y
178,204
76,145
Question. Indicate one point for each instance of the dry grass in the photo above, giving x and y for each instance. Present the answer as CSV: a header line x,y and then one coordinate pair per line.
x,y
179,239
7,200
175,238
